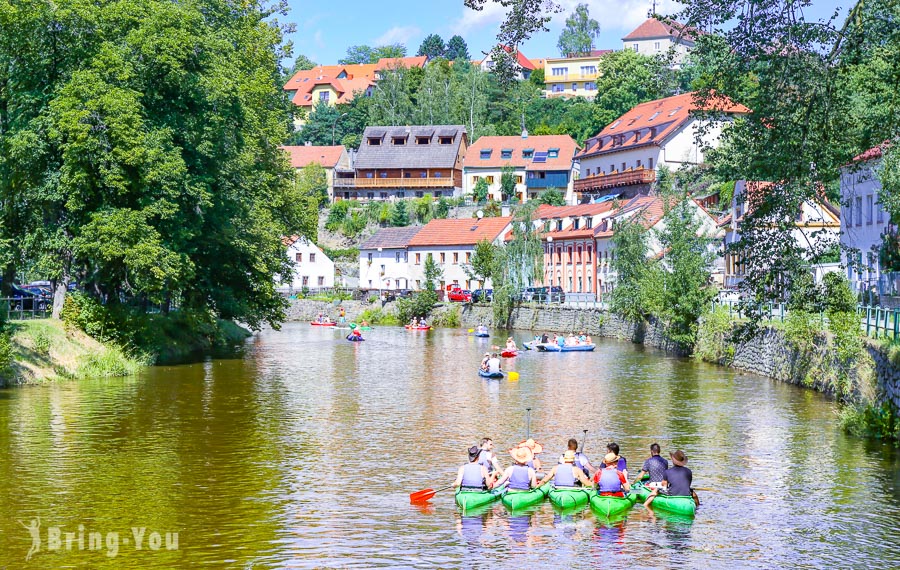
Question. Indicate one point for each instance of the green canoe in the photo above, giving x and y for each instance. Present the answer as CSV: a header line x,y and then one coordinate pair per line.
x,y
468,500
515,500
678,505
607,506
571,498
640,492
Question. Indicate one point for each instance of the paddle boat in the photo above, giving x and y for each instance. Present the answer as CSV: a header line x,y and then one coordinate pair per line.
x,y
548,347
315,324
468,499
509,353
355,338
482,332
570,497
485,374
531,345
678,505
607,506
417,328
515,500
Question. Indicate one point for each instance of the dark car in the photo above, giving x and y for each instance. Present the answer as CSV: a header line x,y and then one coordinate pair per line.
x,y
556,295
529,294
482,295
26,300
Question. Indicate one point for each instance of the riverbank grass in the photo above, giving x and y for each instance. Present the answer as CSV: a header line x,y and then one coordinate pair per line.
x,y
44,351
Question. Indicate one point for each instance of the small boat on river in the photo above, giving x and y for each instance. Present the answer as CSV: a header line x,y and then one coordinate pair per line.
x,y
315,324
548,347
473,499
509,353
355,338
515,500
570,497
485,374
417,328
677,505
608,506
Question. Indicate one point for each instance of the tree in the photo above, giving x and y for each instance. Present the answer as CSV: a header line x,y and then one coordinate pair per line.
x,y
481,191
482,262
434,97
432,47
358,54
400,218
518,264
391,99
578,36
302,63
311,181
390,51
626,79
507,182
632,269
442,208
457,49
537,78
127,160
423,208
470,101
552,197
432,272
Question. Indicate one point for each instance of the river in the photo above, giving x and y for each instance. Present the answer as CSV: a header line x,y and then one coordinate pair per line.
x,y
301,452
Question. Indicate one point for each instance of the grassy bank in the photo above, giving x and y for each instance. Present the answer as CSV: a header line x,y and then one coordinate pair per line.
x,y
45,351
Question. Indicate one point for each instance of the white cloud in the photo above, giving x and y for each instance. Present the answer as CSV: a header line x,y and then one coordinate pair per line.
x,y
623,15
317,39
398,35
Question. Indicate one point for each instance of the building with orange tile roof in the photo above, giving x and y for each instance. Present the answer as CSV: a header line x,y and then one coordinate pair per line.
x,y
540,162
624,157
526,65
656,37
332,158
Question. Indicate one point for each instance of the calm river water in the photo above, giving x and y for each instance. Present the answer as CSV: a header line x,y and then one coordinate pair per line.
x,y
302,453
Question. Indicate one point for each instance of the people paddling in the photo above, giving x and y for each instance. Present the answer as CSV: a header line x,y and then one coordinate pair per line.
x,y
355,334
423,323
610,480
581,460
487,458
655,466
566,474
536,449
676,481
520,476
473,476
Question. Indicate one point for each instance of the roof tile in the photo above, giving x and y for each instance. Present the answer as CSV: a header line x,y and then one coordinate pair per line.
x,y
446,232
391,238
327,156
542,143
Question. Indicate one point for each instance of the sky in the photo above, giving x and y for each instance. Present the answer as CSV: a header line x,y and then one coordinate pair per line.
x,y
326,30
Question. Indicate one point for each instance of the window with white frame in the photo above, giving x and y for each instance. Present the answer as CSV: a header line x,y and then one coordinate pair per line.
x,y
869,207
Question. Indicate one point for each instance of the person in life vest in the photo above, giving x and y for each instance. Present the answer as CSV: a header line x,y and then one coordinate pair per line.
x,y
655,466
610,481
342,316
472,476
484,361
567,474
581,460
520,476
487,458
355,334
677,480
535,448
613,447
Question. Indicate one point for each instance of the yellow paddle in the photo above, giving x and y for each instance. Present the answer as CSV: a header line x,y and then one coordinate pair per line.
x,y
513,376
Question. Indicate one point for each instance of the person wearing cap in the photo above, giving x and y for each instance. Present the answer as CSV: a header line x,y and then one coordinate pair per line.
x,y
677,480
520,476
613,447
610,480
655,466
581,460
473,475
487,458
567,474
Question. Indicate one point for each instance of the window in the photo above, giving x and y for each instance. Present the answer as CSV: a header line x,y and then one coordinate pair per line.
x,y
880,211
612,167
616,124
475,179
869,209
382,269
559,225
443,257
574,87
849,211
420,194
528,153
558,88
383,195
299,257
422,140
446,140
312,257
623,166
370,174
490,179
485,154
370,195
506,153
438,193
589,222
558,71
398,257
321,281
859,211
423,174
370,258
399,141
638,163
401,194
324,95
590,86
384,174
418,284
653,116
455,258
576,224
588,70
374,141
553,153
635,47
656,46
418,259
468,257
518,179
437,174
305,281
650,163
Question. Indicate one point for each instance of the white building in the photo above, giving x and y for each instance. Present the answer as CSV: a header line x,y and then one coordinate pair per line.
x,y
526,66
625,156
817,224
657,37
384,259
312,268
540,163
451,243
864,219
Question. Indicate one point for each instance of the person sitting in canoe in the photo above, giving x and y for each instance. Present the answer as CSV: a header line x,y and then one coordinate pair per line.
x,y
423,323
472,476
676,481
355,334
655,466
545,338
520,476
613,447
560,340
364,324
493,364
610,481
536,449
319,318
582,337
484,361
412,323
581,460
511,344
566,474
487,458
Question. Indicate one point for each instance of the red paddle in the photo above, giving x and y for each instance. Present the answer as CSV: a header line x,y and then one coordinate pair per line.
x,y
425,494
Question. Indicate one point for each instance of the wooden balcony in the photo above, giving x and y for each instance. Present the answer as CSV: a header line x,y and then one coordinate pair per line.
x,y
600,182
394,182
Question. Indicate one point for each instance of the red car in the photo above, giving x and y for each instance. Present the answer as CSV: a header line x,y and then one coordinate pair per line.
x,y
459,295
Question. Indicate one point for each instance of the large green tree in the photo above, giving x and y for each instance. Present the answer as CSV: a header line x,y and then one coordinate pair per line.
x,y
457,49
432,47
579,33
627,79
135,131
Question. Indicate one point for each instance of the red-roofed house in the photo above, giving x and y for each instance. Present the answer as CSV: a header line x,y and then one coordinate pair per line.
x,y
654,37
451,242
331,158
864,220
526,65
624,156
541,162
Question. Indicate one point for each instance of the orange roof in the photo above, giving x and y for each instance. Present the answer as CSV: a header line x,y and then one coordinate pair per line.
x,y
652,123
344,82
871,154
566,146
327,156
520,59
653,28
391,62
459,232
650,208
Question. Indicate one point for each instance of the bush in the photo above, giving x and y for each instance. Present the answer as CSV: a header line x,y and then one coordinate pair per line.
x,y
713,337
6,351
379,317
417,306
871,420
41,343
336,215
449,318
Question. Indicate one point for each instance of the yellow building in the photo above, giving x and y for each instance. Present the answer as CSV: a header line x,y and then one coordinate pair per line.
x,y
573,76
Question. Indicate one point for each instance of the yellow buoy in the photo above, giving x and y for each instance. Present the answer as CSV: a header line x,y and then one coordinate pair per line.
x,y
513,376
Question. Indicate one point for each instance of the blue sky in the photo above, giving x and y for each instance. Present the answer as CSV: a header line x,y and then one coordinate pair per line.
x,y
326,29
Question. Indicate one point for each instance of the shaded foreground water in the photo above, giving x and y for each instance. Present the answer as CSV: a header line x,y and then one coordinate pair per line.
x,y
302,453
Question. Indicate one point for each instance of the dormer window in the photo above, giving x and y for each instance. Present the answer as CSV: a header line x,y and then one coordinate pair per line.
x,y
399,141
423,140
528,153
559,225
589,222
506,153
485,154
446,140
576,223
374,141
553,153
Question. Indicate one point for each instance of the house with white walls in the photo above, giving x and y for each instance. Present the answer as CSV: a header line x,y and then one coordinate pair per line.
x,y
624,157
658,36
384,259
312,268
451,243
539,162
864,220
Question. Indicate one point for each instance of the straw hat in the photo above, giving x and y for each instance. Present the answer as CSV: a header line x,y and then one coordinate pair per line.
x,y
611,459
534,446
569,456
678,458
521,454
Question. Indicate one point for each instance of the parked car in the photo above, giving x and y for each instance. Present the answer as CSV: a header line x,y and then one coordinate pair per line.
x,y
529,294
26,300
482,295
459,295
